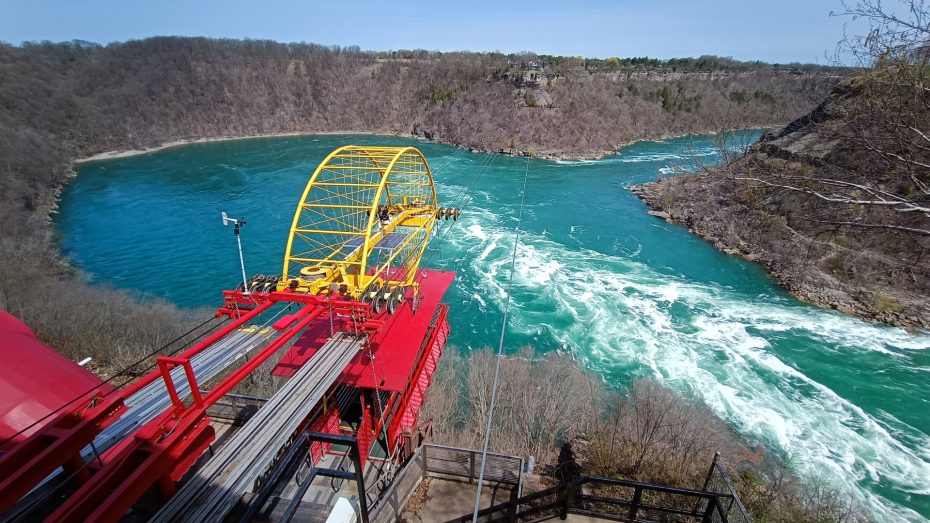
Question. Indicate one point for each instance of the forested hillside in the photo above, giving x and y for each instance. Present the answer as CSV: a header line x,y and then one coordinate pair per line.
x,y
836,204
147,92
68,100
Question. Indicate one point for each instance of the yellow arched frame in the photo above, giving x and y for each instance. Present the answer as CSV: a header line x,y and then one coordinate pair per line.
x,y
364,218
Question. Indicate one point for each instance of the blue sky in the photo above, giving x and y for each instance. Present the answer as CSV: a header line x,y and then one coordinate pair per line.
x,y
783,31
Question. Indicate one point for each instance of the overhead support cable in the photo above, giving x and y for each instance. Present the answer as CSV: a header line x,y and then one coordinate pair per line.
x,y
500,348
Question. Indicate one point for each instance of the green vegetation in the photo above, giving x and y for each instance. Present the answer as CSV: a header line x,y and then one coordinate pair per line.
x,y
437,94
676,100
743,97
886,304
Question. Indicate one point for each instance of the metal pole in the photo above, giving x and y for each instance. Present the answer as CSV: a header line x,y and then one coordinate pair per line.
x,y
359,479
710,473
245,284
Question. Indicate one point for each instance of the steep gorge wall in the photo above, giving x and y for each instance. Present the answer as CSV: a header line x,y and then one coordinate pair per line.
x,y
830,204
62,101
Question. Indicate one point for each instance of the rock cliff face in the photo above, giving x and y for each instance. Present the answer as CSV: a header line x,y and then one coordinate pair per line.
x,y
77,99
797,203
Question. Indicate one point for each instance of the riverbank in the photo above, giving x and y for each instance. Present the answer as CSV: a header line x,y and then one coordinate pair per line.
x,y
737,232
549,154
545,155
812,202
126,153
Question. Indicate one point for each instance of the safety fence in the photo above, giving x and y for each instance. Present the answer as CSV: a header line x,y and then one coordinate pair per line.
x,y
719,482
610,499
459,463
447,463
597,497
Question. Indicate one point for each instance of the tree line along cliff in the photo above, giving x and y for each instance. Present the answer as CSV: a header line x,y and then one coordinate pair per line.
x,y
836,204
59,101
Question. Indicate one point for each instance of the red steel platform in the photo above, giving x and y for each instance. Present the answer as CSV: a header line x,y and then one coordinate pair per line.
x,y
393,353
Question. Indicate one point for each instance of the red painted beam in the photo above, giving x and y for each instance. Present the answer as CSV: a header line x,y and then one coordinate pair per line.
x,y
306,315
198,348
165,365
350,308
151,458
365,434
163,448
59,442
398,415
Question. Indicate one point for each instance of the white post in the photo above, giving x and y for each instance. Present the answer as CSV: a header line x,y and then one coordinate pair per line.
x,y
245,283
236,223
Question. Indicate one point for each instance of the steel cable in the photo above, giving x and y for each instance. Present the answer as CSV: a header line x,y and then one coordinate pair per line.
x,y
500,349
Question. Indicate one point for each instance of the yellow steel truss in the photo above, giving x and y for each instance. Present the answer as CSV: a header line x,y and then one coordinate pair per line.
x,y
363,220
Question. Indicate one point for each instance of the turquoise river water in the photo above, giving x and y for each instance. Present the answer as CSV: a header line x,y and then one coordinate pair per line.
x,y
625,293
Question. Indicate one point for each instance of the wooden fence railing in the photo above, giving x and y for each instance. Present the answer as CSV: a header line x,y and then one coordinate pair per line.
x,y
465,464
609,499
449,463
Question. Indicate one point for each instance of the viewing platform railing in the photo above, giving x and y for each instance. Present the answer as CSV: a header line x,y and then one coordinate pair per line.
x,y
596,497
610,499
447,463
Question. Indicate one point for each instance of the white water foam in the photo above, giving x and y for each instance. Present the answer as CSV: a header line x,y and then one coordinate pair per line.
x,y
618,312
576,162
666,157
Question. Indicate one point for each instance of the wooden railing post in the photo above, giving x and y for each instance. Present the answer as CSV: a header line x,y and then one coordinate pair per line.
x,y
634,505
471,467
425,461
710,473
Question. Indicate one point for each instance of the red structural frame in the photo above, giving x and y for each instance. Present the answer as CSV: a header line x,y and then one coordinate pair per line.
x,y
420,378
161,451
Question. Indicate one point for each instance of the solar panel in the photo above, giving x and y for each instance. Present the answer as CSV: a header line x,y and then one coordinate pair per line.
x,y
389,242
355,242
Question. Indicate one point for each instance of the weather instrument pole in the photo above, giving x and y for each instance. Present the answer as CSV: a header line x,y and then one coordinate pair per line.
x,y
236,223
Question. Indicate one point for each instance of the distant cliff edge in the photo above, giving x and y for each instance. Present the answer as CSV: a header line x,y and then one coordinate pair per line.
x,y
836,204
62,101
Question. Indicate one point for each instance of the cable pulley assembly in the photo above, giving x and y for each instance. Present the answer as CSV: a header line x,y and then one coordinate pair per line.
x,y
448,212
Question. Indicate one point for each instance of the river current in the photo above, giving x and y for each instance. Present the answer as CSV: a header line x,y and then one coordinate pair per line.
x,y
626,294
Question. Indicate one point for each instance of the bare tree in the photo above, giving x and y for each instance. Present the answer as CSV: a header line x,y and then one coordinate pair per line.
x,y
876,175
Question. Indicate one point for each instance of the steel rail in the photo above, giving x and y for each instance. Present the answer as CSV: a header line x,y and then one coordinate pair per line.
x,y
214,490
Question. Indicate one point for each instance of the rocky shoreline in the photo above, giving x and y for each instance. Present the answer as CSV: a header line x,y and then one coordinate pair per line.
x,y
549,154
811,285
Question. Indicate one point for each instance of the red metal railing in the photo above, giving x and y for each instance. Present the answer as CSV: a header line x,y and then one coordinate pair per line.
x,y
411,400
163,449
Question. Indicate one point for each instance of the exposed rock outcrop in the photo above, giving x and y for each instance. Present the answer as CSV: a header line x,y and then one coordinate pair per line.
x,y
765,207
